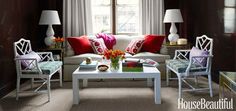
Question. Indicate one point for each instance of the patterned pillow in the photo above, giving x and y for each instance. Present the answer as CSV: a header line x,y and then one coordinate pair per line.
x,y
29,63
134,46
98,45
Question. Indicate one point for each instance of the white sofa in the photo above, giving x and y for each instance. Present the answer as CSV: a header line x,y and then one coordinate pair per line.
x,y
71,61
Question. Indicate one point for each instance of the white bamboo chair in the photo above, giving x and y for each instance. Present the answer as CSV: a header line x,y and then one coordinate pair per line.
x,y
185,67
43,69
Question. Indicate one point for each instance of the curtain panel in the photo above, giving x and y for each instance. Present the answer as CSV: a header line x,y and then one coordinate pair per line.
x,y
152,12
76,17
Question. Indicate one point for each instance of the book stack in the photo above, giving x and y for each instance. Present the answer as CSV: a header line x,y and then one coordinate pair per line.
x,y
132,66
91,66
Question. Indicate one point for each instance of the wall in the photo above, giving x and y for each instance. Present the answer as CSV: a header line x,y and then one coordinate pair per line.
x,y
19,18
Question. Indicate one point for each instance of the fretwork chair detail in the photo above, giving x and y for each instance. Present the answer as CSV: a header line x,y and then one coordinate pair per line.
x,y
186,66
35,65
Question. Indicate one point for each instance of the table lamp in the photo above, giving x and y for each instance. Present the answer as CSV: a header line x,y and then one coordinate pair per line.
x,y
173,16
49,17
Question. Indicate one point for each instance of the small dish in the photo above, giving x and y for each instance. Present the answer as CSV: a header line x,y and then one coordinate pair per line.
x,y
102,67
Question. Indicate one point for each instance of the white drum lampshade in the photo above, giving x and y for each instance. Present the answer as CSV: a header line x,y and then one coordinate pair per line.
x,y
173,16
49,17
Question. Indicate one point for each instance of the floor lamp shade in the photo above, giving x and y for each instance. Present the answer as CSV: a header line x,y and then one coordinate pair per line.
x,y
49,17
173,16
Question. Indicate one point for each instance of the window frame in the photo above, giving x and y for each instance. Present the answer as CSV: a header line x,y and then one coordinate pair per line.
x,y
114,21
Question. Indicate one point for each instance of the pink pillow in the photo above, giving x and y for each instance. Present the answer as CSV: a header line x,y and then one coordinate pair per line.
x,y
109,40
197,52
134,46
98,45
31,55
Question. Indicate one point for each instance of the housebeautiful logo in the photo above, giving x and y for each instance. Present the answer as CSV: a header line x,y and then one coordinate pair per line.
x,y
203,104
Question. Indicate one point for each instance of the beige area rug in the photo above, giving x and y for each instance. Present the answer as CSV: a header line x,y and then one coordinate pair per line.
x,y
107,95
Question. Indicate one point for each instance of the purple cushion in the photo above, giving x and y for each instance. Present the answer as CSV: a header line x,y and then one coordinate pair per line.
x,y
31,55
197,52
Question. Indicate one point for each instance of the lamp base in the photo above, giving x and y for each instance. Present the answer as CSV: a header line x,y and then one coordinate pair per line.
x,y
49,41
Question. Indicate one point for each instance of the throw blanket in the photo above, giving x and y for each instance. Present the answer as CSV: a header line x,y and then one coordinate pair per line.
x,y
109,40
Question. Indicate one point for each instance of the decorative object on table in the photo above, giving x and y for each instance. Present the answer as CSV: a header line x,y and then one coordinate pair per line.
x,y
182,41
173,16
114,56
150,63
58,42
49,17
91,66
88,60
102,67
130,66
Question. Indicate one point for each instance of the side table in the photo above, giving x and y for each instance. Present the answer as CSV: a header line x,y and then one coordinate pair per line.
x,y
170,49
228,85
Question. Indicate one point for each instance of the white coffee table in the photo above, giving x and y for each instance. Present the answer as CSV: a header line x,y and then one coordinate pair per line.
x,y
148,72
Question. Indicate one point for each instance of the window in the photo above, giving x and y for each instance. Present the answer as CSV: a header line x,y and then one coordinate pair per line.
x,y
229,16
115,16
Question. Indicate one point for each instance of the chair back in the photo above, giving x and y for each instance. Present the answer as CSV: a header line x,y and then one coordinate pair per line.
x,y
22,47
204,43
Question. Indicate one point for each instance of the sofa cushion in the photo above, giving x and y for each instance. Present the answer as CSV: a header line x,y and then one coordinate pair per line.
x,y
180,65
98,45
134,46
77,59
160,58
80,44
152,43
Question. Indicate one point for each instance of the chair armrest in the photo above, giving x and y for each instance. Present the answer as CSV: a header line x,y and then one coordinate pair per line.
x,y
31,64
182,54
45,56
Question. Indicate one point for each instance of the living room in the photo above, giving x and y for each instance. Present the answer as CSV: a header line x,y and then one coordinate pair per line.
x,y
20,19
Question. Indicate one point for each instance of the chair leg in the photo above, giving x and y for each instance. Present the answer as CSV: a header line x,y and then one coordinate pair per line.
x,y
195,80
32,83
167,76
210,85
180,86
60,77
48,88
17,88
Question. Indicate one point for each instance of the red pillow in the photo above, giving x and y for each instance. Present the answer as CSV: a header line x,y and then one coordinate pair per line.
x,y
152,43
80,44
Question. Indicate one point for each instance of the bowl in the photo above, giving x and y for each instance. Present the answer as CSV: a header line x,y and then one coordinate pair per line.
x,y
102,67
